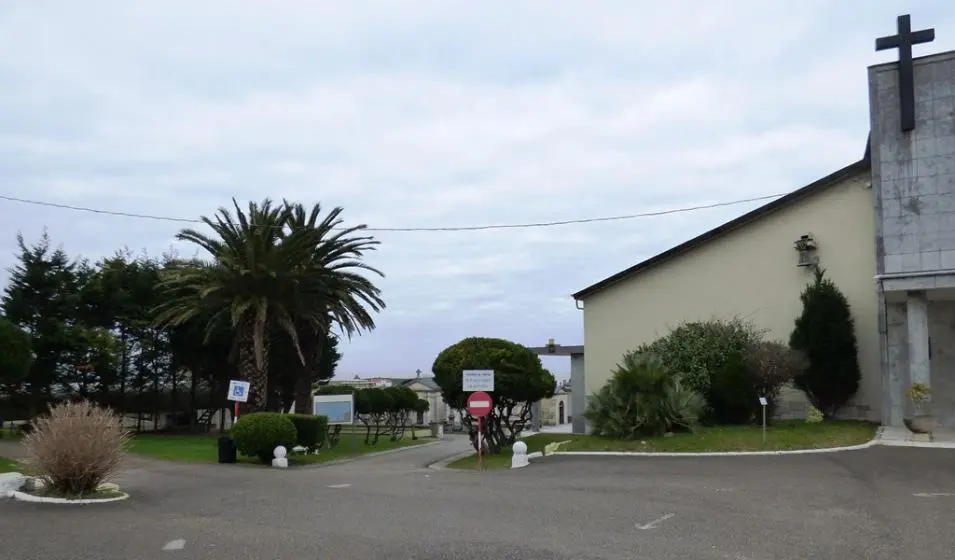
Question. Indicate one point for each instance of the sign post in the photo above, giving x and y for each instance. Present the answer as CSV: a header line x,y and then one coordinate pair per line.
x,y
479,406
238,392
763,402
340,411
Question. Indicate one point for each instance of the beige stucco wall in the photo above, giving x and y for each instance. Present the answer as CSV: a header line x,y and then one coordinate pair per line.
x,y
751,273
550,409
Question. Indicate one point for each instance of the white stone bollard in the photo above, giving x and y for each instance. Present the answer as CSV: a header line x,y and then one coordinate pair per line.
x,y
280,462
519,459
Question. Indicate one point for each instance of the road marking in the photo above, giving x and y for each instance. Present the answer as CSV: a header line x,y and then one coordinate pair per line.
x,y
933,494
177,544
339,485
655,523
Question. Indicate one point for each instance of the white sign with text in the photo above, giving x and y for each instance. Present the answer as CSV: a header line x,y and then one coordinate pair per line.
x,y
478,380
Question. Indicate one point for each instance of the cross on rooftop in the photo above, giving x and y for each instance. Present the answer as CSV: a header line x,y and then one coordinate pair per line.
x,y
903,40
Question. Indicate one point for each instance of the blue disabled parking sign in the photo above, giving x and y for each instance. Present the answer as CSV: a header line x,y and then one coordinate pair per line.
x,y
238,390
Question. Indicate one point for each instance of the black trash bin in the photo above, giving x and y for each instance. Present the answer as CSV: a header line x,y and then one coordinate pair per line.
x,y
227,453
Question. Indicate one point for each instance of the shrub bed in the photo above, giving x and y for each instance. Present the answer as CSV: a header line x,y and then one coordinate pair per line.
x,y
728,363
259,433
310,430
644,397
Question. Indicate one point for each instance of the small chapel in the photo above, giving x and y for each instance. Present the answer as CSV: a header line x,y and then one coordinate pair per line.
x,y
882,227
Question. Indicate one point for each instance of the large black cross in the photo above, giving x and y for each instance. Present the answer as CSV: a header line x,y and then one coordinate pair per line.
x,y
903,41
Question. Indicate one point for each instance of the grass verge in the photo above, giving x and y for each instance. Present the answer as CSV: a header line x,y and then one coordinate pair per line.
x,y
203,448
8,465
780,436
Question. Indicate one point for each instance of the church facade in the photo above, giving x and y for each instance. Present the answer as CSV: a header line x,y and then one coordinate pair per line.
x,y
883,228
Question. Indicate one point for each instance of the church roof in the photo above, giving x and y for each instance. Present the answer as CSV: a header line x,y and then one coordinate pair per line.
x,y
799,194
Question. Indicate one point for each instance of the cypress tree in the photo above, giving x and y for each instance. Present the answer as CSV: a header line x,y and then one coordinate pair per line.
x,y
825,334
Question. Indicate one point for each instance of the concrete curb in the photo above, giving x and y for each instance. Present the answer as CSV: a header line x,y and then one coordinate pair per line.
x,y
923,444
717,453
24,497
442,465
877,440
12,482
362,456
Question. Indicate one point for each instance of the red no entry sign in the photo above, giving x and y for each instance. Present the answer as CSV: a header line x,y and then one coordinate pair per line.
x,y
479,404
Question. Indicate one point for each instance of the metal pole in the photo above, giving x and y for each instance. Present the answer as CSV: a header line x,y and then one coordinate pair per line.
x,y
764,423
480,445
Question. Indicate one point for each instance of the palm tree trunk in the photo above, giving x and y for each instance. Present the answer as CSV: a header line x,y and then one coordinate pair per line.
x,y
250,370
310,342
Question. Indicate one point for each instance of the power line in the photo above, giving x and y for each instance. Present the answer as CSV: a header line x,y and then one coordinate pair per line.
x,y
415,229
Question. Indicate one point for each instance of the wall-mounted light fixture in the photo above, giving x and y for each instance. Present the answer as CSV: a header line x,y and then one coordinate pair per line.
x,y
806,247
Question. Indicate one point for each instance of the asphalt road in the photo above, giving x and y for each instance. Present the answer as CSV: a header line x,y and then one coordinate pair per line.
x,y
881,503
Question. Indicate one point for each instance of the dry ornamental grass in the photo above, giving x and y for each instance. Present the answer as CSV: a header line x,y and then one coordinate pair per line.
x,y
76,447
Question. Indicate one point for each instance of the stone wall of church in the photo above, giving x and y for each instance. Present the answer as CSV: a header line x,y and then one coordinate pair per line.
x,y
941,316
913,173
896,373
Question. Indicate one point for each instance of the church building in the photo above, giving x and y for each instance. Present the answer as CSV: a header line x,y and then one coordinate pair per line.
x,y
883,228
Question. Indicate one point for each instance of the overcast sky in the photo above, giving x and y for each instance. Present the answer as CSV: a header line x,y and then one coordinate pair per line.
x,y
432,113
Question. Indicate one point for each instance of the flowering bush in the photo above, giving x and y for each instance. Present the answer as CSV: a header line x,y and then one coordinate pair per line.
x,y
76,447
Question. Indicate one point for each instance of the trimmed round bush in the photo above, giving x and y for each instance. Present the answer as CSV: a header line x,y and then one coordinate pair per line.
x,y
259,433
310,430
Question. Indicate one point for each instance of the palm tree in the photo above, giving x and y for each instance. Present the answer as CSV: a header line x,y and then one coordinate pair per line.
x,y
251,282
335,293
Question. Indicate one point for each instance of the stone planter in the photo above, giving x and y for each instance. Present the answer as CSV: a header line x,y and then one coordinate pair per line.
x,y
920,423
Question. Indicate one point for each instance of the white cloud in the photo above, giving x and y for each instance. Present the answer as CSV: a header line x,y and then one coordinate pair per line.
x,y
436,113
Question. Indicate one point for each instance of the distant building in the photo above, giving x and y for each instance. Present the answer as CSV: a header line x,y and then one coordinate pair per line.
x,y
424,387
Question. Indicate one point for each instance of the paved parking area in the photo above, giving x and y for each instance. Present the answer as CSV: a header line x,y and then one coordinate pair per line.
x,y
880,503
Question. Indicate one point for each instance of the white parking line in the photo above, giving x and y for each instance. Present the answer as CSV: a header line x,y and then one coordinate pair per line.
x,y
934,494
177,544
339,485
653,524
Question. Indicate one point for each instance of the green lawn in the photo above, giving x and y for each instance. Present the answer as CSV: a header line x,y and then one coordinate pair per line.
x,y
783,435
8,465
203,448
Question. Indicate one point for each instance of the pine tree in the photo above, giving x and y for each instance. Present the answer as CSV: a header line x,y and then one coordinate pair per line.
x,y
825,333
42,299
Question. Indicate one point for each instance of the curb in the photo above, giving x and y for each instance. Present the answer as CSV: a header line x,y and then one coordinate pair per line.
x,y
14,481
923,444
442,465
363,456
718,453
24,497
